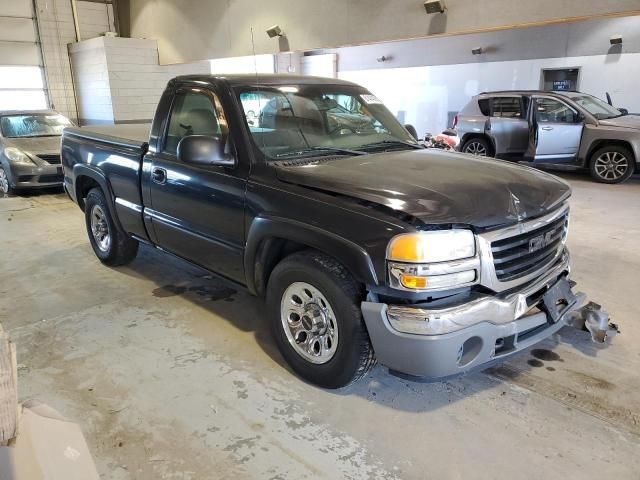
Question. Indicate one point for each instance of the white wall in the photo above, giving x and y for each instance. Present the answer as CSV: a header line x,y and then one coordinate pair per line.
x,y
119,80
428,94
91,78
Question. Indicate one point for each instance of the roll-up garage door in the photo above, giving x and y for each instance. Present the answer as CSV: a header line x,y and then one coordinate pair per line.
x,y
21,79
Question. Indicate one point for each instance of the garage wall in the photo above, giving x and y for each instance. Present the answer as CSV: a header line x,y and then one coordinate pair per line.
x,y
427,97
119,80
95,18
448,75
199,29
57,31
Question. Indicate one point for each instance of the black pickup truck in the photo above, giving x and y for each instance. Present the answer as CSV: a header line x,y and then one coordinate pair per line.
x,y
308,192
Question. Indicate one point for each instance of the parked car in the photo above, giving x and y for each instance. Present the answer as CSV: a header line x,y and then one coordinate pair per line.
x,y
569,130
364,245
30,149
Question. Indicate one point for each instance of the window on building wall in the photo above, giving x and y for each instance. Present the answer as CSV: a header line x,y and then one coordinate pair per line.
x,y
21,88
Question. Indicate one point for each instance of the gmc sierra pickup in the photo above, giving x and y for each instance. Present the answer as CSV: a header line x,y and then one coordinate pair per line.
x,y
365,245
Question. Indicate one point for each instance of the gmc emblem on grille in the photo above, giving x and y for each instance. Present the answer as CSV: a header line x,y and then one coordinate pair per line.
x,y
539,242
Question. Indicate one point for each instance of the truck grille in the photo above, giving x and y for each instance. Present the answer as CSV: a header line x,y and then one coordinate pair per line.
x,y
520,255
52,159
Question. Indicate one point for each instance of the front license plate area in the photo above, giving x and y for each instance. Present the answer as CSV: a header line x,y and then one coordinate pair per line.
x,y
557,300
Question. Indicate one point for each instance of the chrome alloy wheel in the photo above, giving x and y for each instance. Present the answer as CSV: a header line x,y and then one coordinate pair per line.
x,y
476,148
309,323
4,181
100,228
611,165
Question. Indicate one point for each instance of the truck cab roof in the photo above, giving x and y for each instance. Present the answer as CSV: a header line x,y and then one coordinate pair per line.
x,y
261,79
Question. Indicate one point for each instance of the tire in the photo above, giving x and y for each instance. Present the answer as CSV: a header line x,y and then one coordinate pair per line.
x,y
475,145
336,296
5,183
110,245
612,164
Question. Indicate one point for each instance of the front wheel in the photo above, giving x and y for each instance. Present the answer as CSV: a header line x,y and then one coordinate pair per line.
x,y
5,184
314,306
477,146
613,164
110,245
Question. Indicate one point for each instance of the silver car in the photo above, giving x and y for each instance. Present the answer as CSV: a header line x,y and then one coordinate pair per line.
x,y
30,149
568,130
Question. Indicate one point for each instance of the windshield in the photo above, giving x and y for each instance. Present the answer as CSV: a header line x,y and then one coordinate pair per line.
x,y
596,107
312,120
33,125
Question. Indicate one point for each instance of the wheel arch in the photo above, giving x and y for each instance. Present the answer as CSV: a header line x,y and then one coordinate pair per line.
x,y
471,135
604,142
85,179
271,239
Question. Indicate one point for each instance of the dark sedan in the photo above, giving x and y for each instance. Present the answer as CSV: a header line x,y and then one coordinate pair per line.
x,y
30,149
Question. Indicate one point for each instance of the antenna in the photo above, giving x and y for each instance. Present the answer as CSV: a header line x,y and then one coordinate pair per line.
x,y
253,49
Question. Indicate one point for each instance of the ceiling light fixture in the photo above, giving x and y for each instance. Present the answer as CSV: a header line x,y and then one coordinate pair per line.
x,y
616,40
275,31
434,6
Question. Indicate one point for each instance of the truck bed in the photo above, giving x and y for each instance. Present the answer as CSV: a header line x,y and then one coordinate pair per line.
x,y
133,135
112,156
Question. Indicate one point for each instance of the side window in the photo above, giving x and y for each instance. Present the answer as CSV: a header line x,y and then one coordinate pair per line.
x,y
506,107
484,105
193,113
549,110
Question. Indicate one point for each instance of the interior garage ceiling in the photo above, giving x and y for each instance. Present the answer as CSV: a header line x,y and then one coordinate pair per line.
x,y
200,29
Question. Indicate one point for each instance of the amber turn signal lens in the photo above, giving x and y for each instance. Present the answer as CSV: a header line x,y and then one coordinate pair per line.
x,y
406,248
411,281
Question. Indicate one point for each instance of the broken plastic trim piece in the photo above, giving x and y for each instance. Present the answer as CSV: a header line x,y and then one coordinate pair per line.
x,y
595,320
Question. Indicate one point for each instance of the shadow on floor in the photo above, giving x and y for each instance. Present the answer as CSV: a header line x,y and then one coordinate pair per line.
x,y
36,192
174,277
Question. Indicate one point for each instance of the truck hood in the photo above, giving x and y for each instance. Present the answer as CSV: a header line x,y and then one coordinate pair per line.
x,y
35,145
436,187
626,121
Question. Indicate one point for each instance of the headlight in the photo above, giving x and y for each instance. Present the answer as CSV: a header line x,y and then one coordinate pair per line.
x,y
17,156
437,260
431,247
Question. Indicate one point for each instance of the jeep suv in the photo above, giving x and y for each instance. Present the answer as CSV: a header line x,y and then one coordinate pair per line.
x,y
568,130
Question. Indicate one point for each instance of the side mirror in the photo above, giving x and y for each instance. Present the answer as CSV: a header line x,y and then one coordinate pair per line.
x,y
204,150
624,111
412,130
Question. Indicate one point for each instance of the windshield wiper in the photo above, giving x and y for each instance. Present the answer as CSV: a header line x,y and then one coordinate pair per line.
x,y
307,150
389,143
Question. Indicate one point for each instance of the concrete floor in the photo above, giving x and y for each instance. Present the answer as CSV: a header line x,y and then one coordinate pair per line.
x,y
172,375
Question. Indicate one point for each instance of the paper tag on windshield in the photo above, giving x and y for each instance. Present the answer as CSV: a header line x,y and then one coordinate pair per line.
x,y
370,99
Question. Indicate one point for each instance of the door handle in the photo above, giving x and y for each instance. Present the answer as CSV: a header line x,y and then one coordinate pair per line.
x,y
547,129
159,175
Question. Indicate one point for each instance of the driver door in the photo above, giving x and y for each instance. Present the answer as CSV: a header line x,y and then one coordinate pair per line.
x,y
555,131
197,211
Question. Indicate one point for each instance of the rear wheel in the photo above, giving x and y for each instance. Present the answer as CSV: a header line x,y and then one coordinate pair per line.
x,y
477,146
110,245
5,184
612,164
314,306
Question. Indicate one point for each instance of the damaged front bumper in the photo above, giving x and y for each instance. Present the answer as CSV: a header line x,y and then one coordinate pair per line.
x,y
438,343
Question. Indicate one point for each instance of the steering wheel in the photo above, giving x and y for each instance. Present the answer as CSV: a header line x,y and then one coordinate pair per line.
x,y
343,127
